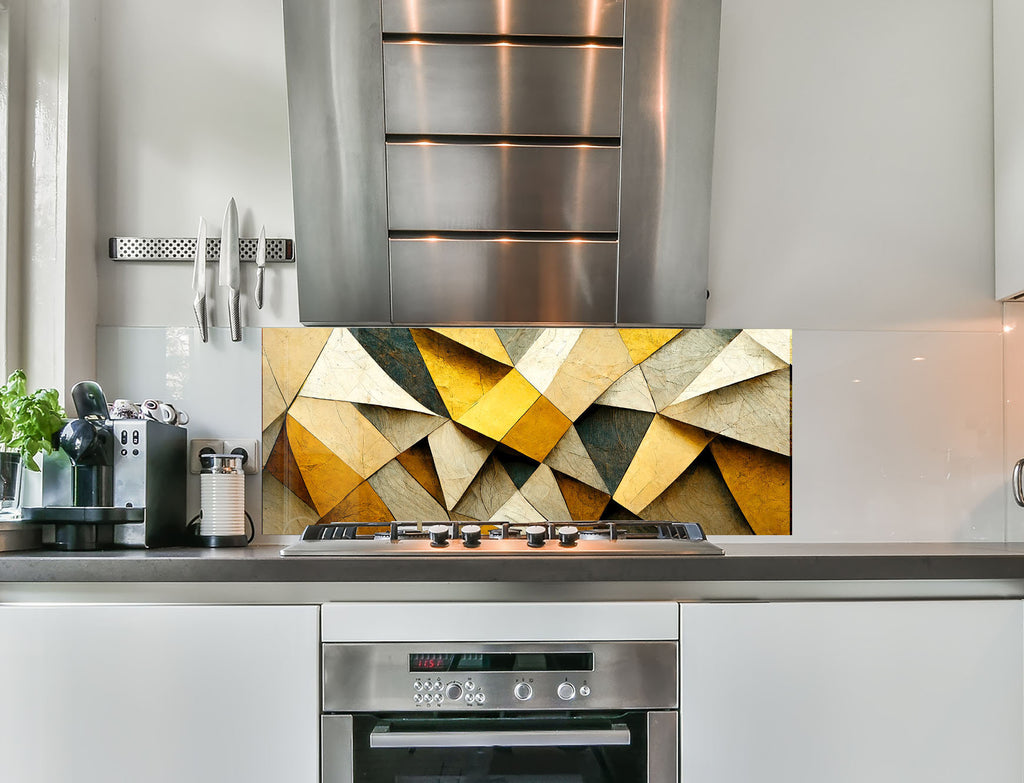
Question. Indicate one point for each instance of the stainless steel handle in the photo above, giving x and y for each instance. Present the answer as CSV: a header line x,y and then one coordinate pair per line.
x,y
234,319
258,293
199,306
1018,489
383,737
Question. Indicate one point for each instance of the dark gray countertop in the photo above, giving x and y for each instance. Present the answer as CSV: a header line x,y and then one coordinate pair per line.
x,y
742,562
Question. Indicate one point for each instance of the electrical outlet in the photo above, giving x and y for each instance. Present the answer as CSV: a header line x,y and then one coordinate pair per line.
x,y
199,445
249,448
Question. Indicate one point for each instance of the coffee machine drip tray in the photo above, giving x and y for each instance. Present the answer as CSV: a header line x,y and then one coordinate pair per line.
x,y
83,527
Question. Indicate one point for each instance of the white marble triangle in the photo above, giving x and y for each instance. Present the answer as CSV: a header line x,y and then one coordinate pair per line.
x,y
542,492
630,391
742,359
345,371
542,360
518,509
458,457
778,341
570,456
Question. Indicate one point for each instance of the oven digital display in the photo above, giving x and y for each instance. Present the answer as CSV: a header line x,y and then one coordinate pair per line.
x,y
502,662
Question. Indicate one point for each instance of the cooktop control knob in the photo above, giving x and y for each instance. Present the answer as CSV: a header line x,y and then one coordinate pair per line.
x,y
566,691
438,535
568,535
453,691
471,535
535,535
522,691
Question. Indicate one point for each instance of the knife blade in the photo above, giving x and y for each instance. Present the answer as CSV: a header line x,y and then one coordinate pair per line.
x,y
229,275
199,282
261,262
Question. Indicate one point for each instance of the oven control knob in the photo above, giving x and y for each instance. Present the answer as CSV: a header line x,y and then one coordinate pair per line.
x,y
453,691
471,535
535,535
568,535
566,691
522,691
438,535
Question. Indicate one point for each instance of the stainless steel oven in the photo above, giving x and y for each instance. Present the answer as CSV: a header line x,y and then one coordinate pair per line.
x,y
517,712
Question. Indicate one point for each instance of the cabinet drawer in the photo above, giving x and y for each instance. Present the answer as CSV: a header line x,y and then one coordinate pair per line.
x,y
598,18
502,89
503,281
502,187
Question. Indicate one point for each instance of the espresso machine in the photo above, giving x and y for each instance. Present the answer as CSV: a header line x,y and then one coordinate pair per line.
x,y
113,482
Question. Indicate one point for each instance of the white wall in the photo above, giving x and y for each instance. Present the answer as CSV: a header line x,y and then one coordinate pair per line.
x,y
852,202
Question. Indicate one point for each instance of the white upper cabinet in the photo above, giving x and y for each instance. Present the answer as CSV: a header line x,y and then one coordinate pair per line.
x,y
1008,131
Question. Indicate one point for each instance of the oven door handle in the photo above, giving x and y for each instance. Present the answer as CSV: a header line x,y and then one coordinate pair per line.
x,y
382,737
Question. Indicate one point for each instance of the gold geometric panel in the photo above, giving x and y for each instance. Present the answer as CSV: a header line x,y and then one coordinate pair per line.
x,y
630,391
527,425
462,376
290,355
483,341
326,477
760,482
345,371
538,431
641,343
596,361
494,414
666,451
345,431
458,456
570,456
488,492
740,360
546,355
700,495
755,411
404,496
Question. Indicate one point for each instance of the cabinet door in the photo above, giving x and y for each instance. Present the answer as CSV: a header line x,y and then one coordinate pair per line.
x,y
159,694
858,692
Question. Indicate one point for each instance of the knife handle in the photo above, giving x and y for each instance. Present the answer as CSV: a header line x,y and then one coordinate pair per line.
x,y
234,317
258,293
199,306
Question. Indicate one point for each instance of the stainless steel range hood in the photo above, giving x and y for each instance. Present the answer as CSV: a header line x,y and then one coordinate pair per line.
x,y
502,161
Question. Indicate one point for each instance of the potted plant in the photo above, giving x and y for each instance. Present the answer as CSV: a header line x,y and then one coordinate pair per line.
x,y
28,422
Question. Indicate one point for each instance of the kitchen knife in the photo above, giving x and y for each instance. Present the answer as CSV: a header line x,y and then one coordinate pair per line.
x,y
199,281
261,261
229,276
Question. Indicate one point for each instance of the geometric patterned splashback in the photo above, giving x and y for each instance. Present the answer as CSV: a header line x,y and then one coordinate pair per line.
x,y
526,425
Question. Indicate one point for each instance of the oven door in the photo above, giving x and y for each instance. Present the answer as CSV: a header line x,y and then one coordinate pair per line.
x,y
633,747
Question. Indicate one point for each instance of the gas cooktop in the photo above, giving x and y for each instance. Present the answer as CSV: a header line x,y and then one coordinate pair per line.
x,y
455,539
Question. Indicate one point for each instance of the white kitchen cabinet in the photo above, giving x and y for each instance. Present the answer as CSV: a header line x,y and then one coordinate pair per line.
x,y
851,692
1008,151
159,694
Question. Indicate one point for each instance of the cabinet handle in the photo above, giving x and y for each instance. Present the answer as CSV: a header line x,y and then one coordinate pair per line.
x,y
1018,489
